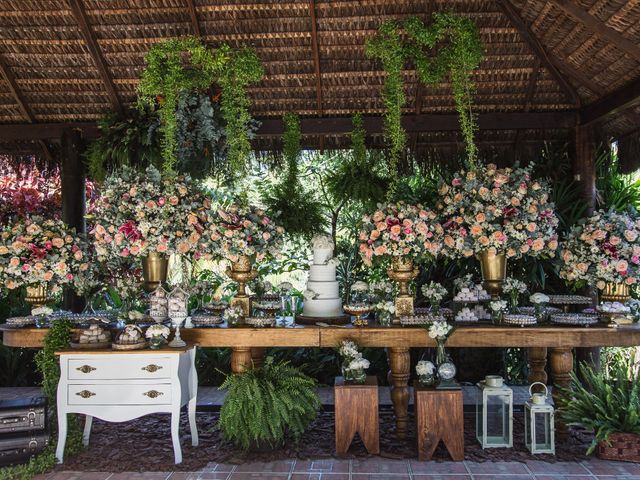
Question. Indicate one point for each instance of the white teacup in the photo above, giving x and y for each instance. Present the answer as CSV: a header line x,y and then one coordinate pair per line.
x,y
493,381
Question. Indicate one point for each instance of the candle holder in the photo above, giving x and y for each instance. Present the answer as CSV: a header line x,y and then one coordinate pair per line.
x,y
403,272
242,272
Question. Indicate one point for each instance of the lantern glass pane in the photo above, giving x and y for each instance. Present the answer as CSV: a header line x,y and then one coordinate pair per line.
x,y
498,419
479,429
542,430
527,427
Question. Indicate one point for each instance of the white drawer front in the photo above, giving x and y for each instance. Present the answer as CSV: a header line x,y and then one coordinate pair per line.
x,y
114,394
109,367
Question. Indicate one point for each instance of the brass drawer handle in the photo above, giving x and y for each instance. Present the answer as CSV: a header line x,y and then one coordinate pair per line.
x,y
86,369
152,368
152,394
85,394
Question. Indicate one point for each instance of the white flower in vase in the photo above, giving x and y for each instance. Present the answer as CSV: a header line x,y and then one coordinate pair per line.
x,y
425,368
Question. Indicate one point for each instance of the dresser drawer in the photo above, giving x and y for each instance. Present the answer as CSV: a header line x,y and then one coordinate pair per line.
x,y
110,367
114,394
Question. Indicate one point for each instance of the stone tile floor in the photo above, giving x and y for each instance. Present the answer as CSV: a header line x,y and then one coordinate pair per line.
x,y
380,469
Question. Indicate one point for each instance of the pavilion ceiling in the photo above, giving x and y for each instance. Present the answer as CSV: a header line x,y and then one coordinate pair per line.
x,y
74,60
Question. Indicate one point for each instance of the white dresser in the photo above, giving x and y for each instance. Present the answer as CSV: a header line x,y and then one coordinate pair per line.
x,y
116,386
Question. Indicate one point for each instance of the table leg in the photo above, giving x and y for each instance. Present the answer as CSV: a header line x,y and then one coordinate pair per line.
x,y
240,359
257,356
400,365
193,400
88,421
62,436
561,368
537,364
175,436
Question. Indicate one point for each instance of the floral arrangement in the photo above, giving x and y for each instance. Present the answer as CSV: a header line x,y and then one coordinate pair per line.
x,y
514,288
233,315
41,311
386,307
35,251
465,281
158,331
603,248
383,290
353,363
141,213
284,288
433,292
498,305
246,231
348,350
399,229
497,211
440,330
425,368
539,298
360,286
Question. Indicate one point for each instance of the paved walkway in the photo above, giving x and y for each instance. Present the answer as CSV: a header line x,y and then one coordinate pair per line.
x,y
380,469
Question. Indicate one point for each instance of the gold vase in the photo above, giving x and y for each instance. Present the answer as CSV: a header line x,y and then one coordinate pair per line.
x,y
403,272
154,270
37,295
494,271
615,292
242,272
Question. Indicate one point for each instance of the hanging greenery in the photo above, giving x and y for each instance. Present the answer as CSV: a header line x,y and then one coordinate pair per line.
x,y
460,53
300,212
131,140
387,47
243,68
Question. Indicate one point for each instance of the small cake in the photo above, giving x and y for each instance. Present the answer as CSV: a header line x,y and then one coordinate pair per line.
x,y
93,335
481,312
482,293
131,335
466,315
465,295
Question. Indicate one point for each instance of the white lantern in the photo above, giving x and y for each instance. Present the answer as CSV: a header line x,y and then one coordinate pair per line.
x,y
539,427
178,311
158,307
494,413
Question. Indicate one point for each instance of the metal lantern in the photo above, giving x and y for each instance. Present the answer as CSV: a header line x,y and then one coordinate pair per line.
x,y
539,433
158,305
494,413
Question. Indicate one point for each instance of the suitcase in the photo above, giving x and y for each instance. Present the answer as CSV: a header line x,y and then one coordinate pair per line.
x,y
23,415
18,448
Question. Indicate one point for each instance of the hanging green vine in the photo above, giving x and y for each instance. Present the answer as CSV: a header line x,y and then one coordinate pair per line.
x,y
461,54
387,47
358,137
243,68
174,66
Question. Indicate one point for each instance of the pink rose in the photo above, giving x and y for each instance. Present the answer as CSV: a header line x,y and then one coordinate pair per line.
x,y
124,252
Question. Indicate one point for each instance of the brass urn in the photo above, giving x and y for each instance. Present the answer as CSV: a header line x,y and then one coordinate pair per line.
x,y
615,292
37,295
242,272
155,267
403,271
494,271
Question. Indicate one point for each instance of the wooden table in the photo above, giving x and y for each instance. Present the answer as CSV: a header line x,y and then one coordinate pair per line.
x,y
248,344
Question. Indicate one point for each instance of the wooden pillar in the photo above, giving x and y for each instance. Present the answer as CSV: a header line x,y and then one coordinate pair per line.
x,y
73,196
584,171
240,359
537,364
561,360
400,365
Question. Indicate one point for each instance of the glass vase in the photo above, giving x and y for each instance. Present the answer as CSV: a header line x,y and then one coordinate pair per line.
x,y
435,308
354,376
384,318
513,302
156,342
441,354
496,317
540,311
426,380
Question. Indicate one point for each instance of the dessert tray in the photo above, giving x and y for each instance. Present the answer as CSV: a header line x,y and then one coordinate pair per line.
x,y
18,322
578,319
519,320
206,320
532,310
419,320
444,311
569,300
260,321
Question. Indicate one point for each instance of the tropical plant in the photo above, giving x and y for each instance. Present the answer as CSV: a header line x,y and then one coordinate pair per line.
x,y
265,404
614,190
132,139
606,403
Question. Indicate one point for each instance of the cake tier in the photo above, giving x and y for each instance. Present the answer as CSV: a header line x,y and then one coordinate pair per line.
x,y
322,273
323,289
322,255
326,307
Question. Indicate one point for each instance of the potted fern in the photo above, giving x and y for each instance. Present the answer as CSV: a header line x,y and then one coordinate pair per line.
x,y
608,403
265,404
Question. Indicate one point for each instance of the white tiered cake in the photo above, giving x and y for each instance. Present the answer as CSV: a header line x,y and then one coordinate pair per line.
x,y
322,298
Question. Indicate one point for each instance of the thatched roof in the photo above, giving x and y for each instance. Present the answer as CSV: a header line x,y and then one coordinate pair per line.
x,y
74,60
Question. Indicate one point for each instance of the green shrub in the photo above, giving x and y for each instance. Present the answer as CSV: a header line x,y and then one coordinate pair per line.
x,y
265,404
605,402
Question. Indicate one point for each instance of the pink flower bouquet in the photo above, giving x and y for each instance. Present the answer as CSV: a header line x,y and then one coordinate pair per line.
x,y
399,230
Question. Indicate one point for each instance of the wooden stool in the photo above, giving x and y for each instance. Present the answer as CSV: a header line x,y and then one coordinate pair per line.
x,y
439,416
356,411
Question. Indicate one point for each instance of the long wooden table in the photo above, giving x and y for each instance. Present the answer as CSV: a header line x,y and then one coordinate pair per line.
x,y
248,344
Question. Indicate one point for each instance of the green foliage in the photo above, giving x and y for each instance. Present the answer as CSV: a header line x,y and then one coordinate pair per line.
x,y
131,140
174,66
615,190
607,403
264,404
299,212
387,47
242,69
460,54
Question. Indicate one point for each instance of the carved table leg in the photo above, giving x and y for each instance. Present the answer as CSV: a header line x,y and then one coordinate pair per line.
x,y
561,368
537,364
240,359
257,355
400,364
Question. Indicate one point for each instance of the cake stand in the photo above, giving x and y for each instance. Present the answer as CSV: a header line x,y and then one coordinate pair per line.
x,y
359,311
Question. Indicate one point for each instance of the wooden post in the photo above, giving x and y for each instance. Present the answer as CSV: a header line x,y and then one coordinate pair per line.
x,y
73,196
584,171
561,360
400,366
537,364
240,359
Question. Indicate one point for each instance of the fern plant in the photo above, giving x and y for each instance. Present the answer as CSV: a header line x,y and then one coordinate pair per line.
x,y
265,404
605,402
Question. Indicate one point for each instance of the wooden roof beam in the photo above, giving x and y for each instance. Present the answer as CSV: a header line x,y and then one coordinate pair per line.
x,y
615,102
83,23
195,25
600,28
316,55
528,36
528,98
